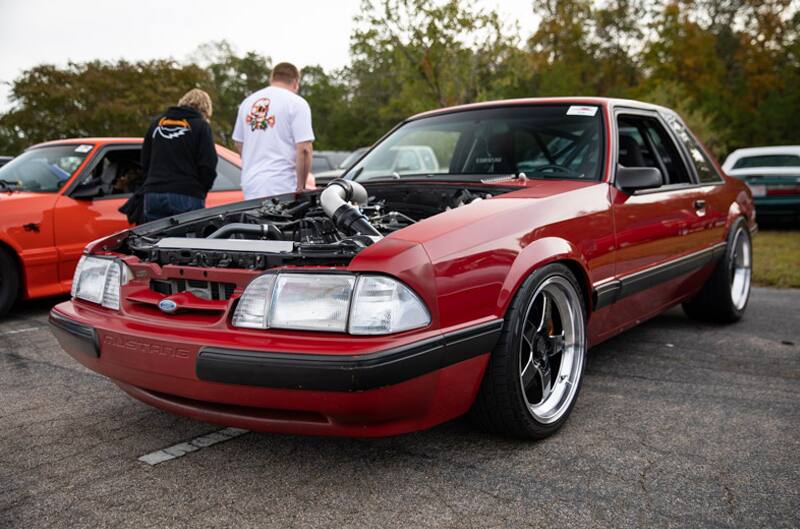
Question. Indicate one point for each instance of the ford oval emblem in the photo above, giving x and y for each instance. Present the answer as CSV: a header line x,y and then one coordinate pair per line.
x,y
167,305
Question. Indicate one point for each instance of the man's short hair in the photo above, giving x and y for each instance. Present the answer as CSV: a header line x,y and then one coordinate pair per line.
x,y
285,72
198,100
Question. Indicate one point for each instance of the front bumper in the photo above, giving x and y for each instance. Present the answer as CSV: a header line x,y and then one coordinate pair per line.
x,y
400,387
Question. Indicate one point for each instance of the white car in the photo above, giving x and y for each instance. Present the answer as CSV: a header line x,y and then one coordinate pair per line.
x,y
778,156
402,160
773,175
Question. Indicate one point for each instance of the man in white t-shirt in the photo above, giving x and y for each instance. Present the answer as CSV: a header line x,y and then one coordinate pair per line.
x,y
274,135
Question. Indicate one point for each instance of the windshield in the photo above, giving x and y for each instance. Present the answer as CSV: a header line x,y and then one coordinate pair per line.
x,y
545,141
43,170
352,157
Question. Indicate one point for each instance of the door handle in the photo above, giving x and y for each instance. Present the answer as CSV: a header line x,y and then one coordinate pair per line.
x,y
700,207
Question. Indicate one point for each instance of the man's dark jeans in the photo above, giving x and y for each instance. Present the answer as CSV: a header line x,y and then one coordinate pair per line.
x,y
160,205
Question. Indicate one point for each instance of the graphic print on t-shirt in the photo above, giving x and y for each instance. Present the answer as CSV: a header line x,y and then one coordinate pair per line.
x,y
172,128
257,117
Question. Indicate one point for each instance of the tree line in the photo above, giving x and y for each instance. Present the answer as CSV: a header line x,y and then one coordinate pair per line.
x,y
730,67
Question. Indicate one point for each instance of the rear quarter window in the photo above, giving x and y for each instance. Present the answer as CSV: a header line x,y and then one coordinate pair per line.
x,y
705,169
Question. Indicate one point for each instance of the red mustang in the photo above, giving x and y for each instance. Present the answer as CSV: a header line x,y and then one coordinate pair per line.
x,y
401,297
58,196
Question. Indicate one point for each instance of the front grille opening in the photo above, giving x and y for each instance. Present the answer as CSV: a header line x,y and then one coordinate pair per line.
x,y
213,290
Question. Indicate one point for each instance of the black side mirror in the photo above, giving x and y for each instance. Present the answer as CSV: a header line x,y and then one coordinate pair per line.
x,y
631,179
84,193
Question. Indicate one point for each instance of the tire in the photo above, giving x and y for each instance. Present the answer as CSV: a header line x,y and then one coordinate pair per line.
x,y
724,297
9,282
513,400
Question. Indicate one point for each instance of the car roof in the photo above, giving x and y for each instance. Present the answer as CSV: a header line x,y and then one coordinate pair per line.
x,y
765,171
97,141
578,100
230,155
770,149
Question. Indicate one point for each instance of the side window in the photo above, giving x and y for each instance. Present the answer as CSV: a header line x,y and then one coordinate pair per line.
x,y
705,169
643,142
668,152
118,173
229,177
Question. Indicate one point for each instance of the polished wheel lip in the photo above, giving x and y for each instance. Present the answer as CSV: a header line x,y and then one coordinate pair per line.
x,y
741,269
560,388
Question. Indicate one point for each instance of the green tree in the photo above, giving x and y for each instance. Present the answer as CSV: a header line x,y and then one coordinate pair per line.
x,y
231,79
92,99
580,48
413,55
336,122
733,61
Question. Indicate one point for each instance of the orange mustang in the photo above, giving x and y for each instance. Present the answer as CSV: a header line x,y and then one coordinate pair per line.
x,y
58,196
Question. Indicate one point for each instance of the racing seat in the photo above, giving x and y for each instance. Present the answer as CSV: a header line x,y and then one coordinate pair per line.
x,y
630,153
107,178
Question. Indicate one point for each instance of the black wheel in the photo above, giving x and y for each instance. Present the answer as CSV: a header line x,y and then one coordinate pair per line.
x,y
535,372
724,296
9,282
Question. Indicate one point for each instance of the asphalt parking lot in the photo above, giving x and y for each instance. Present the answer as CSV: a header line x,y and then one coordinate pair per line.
x,y
678,425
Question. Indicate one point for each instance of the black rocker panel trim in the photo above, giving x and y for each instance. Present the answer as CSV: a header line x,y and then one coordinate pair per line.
x,y
614,290
78,336
345,373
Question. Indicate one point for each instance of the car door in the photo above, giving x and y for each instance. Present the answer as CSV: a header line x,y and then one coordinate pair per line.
x,y
89,209
658,232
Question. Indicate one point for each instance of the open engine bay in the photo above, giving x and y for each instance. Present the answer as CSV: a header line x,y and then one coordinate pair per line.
x,y
326,228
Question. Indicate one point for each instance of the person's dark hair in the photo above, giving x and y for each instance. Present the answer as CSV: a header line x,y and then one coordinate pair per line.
x,y
285,72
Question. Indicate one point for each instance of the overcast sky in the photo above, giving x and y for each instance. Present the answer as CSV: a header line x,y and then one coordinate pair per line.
x,y
299,31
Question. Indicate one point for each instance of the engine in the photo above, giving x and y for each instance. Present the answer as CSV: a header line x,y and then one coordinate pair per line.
x,y
323,228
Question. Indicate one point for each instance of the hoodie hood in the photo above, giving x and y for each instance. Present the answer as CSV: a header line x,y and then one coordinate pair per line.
x,y
183,113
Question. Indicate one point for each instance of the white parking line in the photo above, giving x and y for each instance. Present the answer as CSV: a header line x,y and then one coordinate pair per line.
x,y
17,331
181,449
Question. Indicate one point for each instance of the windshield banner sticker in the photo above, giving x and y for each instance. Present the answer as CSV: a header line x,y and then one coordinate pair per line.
x,y
83,148
581,111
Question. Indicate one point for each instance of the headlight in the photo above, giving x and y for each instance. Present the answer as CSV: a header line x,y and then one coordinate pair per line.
x,y
382,305
330,302
98,279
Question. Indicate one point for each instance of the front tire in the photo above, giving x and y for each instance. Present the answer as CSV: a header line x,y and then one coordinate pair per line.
x,y
724,297
535,372
9,282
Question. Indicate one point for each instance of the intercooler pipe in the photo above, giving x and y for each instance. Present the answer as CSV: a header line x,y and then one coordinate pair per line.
x,y
335,201
267,231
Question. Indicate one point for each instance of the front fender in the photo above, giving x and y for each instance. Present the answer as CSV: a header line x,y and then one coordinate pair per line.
x,y
539,253
10,242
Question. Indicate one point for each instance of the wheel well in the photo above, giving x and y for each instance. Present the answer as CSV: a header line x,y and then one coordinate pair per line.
x,y
583,281
17,262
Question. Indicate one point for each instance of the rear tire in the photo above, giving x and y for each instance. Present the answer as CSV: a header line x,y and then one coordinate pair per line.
x,y
9,282
535,372
725,295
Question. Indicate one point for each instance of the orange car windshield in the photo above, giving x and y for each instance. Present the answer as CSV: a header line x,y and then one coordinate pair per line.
x,y
44,169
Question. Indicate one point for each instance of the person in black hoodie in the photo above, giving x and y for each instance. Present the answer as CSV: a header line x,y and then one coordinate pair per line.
x,y
179,158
